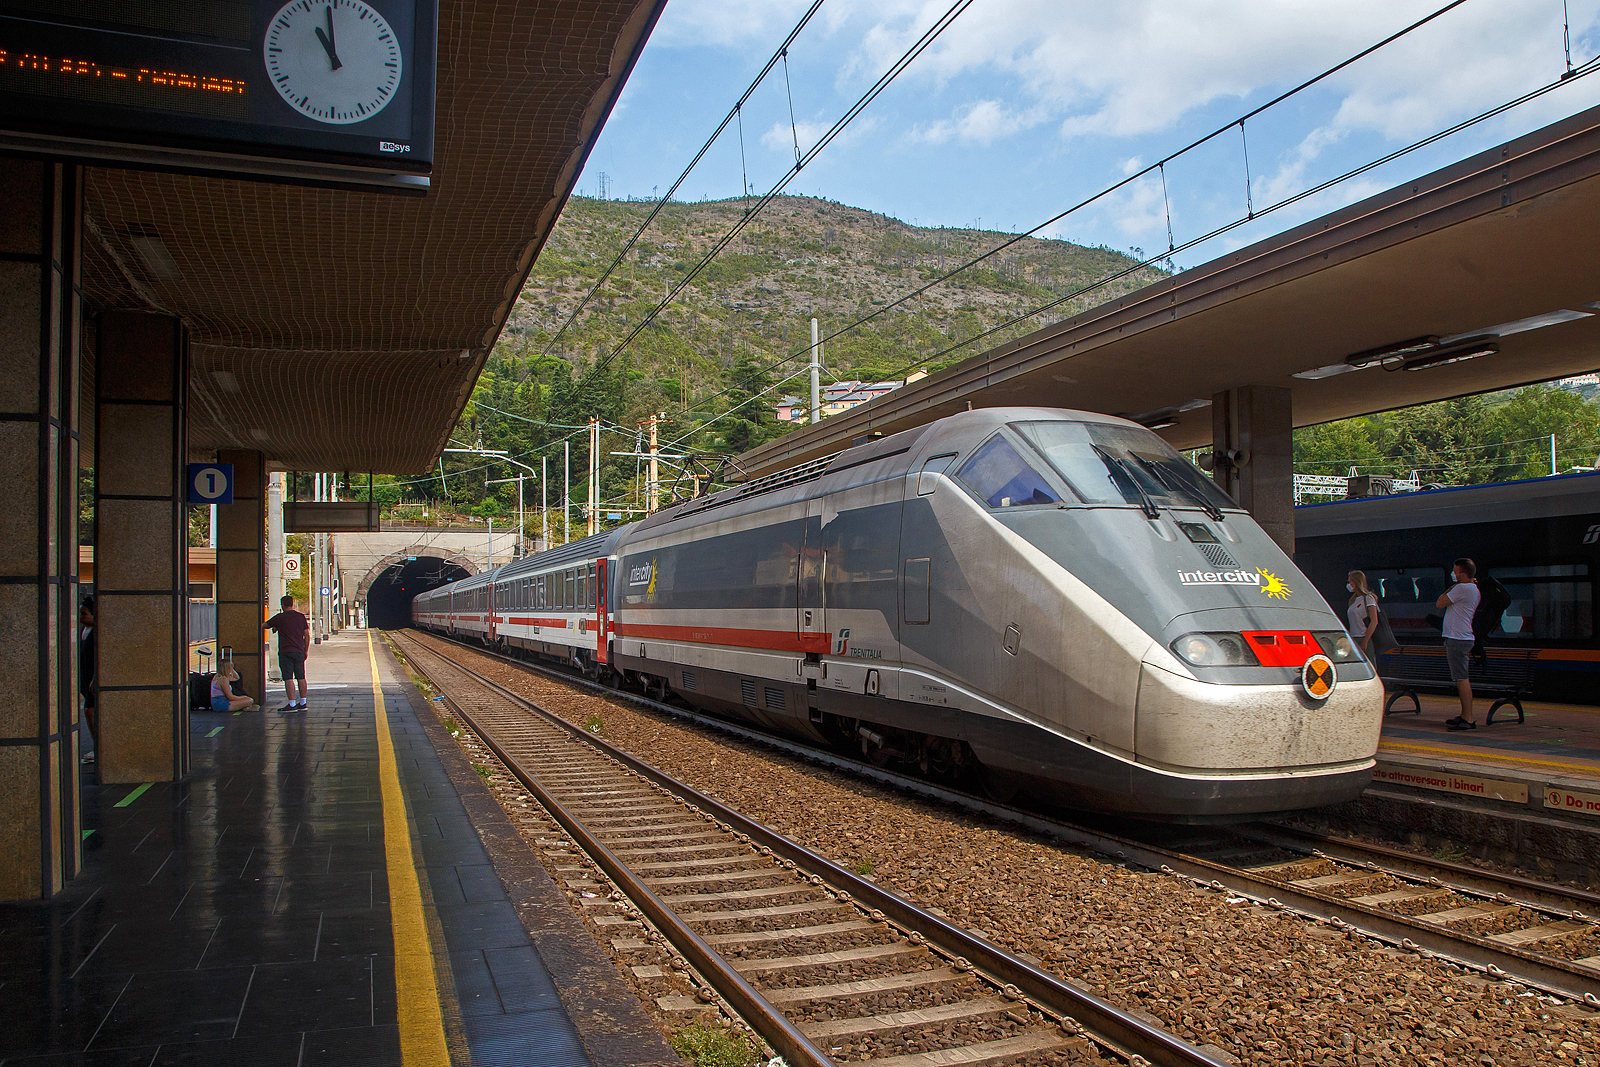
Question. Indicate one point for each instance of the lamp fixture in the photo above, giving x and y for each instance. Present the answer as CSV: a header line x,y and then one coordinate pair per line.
x,y
1446,356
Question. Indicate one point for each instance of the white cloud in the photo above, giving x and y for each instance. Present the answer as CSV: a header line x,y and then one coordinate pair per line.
x,y
982,122
727,22
1138,66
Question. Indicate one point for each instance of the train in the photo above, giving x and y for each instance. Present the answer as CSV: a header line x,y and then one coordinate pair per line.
x,y
1034,600
1539,537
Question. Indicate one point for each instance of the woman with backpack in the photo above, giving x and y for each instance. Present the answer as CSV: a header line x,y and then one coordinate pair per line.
x,y
1369,626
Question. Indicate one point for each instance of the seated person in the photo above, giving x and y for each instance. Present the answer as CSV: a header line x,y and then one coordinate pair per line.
x,y
222,696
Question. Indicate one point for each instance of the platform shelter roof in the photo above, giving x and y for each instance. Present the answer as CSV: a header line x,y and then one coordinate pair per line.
x,y
343,330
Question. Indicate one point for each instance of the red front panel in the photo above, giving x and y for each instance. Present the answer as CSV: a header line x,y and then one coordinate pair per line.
x,y
1282,648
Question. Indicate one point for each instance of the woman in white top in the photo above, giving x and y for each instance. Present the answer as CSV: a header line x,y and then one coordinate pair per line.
x,y
1363,610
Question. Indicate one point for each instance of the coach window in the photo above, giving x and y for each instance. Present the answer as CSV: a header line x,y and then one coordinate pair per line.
x,y
569,585
594,589
1548,603
1003,479
1408,594
583,587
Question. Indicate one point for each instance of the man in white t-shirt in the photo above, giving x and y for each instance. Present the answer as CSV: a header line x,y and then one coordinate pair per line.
x,y
1459,602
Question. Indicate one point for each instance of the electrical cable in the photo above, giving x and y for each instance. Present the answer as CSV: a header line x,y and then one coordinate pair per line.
x,y
895,70
1159,166
732,115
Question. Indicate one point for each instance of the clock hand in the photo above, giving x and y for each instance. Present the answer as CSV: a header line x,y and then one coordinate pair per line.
x,y
327,41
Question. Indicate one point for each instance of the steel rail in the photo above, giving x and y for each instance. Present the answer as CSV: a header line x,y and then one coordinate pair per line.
x,y
1125,1034
1540,896
778,1032
1501,961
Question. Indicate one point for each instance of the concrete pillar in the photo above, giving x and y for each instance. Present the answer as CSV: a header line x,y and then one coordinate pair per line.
x,y
41,213
141,547
1252,430
242,569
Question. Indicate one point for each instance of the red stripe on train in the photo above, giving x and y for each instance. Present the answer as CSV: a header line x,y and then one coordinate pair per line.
x,y
773,640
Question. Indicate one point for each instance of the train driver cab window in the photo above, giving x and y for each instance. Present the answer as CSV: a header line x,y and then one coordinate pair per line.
x,y
1548,603
1003,479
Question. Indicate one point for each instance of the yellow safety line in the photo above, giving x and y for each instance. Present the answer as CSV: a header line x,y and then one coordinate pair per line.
x,y
1470,754
416,990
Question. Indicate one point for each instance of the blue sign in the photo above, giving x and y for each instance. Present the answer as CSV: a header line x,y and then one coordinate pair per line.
x,y
325,590
211,483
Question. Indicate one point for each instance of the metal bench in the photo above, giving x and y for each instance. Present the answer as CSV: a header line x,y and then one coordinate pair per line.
x,y
1504,673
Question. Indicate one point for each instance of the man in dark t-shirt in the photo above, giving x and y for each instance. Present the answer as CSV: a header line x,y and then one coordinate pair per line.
x,y
294,641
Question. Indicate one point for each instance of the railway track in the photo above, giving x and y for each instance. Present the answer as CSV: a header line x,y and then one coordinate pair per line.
x,y
1506,926
814,958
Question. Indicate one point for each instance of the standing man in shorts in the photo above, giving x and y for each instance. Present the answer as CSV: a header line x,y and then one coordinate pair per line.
x,y
294,641
1459,602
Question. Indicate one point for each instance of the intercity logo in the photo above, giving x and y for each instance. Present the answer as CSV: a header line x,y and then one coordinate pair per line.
x,y
1265,581
641,573
843,643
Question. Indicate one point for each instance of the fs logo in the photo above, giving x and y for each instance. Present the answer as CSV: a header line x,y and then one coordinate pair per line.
x,y
1591,535
844,642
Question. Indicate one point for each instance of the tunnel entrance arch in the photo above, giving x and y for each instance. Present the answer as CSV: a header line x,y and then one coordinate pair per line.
x,y
388,587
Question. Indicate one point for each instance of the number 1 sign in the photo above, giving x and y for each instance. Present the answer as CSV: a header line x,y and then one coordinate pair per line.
x,y
211,483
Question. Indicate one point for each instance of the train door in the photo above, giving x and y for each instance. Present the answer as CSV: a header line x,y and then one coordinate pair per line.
x,y
811,610
602,607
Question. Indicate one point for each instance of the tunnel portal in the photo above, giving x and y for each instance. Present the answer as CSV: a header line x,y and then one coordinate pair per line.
x,y
389,596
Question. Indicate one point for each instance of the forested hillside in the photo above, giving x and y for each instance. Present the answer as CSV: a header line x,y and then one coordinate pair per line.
x,y
713,361
734,340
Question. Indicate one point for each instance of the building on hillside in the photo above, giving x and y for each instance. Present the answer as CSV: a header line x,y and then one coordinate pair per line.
x,y
841,396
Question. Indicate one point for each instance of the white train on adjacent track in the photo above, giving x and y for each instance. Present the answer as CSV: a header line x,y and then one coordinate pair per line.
x,y
1048,600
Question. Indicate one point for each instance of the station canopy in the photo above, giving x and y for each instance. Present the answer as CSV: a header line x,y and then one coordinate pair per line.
x,y
1494,257
342,330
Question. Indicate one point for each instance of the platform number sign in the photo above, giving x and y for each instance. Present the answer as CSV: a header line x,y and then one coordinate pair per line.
x,y
211,483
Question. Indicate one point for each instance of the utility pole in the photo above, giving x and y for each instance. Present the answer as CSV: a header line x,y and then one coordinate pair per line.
x,y
651,482
594,473
488,557
517,550
544,503
816,386
1552,454
274,565
566,492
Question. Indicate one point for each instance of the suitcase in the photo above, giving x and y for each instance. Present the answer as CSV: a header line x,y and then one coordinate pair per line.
x,y
200,690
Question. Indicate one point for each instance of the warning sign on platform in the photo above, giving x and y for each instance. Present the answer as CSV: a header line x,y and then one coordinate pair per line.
x,y
1446,782
1566,800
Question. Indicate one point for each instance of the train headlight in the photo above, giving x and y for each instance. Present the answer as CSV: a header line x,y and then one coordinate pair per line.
x,y
1215,650
1337,646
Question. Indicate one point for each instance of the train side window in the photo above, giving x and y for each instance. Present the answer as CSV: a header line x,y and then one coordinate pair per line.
x,y
1548,602
1003,479
569,587
583,587
594,588
928,479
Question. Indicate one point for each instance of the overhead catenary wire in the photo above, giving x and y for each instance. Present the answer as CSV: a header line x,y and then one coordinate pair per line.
x,y
895,70
1159,167
734,114
1581,71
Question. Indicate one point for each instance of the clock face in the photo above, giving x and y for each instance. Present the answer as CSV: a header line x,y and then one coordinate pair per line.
x,y
335,61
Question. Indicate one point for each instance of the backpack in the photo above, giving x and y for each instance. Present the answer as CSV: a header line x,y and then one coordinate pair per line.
x,y
1493,600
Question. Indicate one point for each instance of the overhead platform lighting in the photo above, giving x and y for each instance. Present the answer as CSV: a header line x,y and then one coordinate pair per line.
x,y
1425,353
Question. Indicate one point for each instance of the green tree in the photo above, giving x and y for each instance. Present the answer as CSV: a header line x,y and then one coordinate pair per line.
x,y
1531,416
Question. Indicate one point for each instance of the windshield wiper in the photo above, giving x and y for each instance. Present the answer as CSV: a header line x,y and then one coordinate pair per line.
x,y
1176,485
1149,506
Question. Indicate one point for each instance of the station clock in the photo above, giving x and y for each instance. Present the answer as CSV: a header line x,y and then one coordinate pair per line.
x,y
325,91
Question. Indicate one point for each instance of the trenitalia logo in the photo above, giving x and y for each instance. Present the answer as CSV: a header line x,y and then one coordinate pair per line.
x,y
1219,577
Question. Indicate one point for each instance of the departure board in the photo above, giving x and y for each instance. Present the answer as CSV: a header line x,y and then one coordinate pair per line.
x,y
325,91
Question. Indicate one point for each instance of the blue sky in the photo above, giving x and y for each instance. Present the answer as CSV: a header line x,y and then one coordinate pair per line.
x,y
1024,107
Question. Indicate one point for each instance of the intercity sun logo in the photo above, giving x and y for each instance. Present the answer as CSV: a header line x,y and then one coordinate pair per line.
x,y
1274,586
